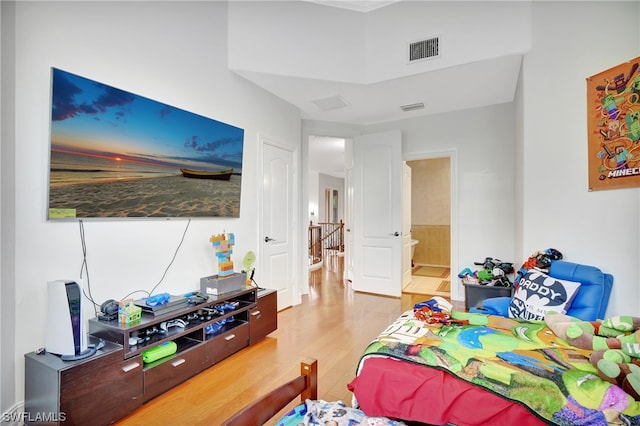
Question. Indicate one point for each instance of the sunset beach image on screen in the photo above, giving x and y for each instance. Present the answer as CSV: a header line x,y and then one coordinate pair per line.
x,y
115,154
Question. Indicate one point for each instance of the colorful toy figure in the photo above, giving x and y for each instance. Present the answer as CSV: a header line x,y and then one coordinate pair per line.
x,y
635,90
613,131
633,124
621,158
223,246
610,105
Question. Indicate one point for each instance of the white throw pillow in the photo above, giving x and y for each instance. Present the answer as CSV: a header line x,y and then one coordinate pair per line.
x,y
537,293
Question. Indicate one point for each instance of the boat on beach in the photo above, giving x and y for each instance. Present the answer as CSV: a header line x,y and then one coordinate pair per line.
x,y
205,174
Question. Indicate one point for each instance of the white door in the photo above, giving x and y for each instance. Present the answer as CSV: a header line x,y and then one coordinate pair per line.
x,y
348,217
277,223
406,225
377,212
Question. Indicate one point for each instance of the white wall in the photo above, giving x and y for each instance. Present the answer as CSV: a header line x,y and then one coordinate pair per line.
x,y
468,30
600,228
314,198
518,160
294,30
7,212
173,52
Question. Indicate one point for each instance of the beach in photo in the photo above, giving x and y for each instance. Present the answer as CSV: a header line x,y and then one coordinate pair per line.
x,y
165,196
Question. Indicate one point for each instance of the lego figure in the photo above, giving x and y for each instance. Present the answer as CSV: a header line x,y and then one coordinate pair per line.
x,y
223,245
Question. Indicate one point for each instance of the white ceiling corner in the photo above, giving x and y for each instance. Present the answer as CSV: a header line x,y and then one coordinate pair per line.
x,y
357,5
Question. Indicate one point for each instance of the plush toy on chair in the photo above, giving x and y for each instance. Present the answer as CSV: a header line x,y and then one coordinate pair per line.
x,y
589,302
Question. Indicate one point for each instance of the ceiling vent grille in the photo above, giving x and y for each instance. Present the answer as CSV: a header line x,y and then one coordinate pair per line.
x,y
412,107
424,49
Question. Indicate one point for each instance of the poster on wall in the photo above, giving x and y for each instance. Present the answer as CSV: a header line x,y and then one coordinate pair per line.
x,y
115,154
613,124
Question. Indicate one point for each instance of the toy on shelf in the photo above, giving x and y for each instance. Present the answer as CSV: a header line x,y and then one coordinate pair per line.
x,y
226,280
247,262
128,312
158,352
223,245
157,300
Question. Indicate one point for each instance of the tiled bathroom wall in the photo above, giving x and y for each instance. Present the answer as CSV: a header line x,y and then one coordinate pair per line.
x,y
431,211
434,248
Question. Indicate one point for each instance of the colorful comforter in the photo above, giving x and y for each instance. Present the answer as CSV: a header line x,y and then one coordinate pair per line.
x,y
522,361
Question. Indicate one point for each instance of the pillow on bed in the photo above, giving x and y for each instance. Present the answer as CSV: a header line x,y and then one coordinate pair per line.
x,y
537,293
319,412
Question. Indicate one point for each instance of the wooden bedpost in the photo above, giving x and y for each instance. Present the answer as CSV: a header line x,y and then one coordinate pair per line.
x,y
267,406
309,369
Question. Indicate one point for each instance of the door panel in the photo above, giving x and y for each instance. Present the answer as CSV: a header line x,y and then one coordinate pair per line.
x,y
348,235
406,225
378,213
277,222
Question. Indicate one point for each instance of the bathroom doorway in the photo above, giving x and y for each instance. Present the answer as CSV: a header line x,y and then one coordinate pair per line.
x,y
430,226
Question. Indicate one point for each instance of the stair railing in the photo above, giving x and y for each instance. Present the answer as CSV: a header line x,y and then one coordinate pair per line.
x,y
326,239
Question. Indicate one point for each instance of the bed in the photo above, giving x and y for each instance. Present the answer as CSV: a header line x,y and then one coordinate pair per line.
x,y
481,369
310,411
260,411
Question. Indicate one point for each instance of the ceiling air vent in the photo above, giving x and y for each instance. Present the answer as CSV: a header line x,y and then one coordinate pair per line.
x,y
332,102
424,49
412,107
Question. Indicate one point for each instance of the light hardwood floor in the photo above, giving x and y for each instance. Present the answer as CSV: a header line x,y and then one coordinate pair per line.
x,y
333,325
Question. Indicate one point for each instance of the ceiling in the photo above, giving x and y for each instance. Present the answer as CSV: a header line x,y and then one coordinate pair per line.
x,y
470,85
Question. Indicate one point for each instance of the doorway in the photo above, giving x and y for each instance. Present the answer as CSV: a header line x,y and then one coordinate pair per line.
x,y
315,199
327,202
430,227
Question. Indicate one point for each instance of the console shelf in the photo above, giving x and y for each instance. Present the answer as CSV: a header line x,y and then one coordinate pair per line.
x,y
150,331
205,334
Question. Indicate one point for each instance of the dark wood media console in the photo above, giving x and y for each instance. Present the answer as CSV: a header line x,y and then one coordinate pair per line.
x,y
111,384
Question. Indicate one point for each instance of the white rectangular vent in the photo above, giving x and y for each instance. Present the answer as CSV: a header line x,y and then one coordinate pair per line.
x,y
424,49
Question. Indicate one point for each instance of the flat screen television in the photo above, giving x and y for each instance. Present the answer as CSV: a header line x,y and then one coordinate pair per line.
x,y
114,154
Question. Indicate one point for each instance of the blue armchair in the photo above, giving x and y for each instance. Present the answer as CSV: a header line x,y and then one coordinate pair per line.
x,y
589,304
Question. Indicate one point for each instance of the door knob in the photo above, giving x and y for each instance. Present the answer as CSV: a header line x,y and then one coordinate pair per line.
x,y
395,234
267,239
